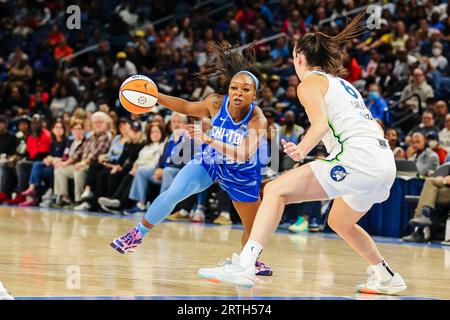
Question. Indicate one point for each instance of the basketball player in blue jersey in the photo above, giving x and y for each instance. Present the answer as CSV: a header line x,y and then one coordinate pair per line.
x,y
230,149
358,173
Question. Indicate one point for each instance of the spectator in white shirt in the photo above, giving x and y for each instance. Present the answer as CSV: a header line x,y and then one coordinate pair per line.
x,y
123,68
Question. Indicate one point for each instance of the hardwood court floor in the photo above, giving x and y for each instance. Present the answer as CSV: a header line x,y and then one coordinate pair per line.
x,y
41,252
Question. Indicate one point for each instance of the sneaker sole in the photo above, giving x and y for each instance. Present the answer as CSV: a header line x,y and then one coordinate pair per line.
x,y
117,248
206,275
103,203
388,291
108,210
242,280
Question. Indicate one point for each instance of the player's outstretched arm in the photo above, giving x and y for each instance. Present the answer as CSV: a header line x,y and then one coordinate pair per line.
x,y
205,108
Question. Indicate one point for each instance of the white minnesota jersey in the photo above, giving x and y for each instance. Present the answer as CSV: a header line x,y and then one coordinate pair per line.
x,y
347,115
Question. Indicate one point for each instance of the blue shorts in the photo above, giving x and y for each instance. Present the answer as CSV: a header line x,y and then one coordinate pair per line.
x,y
241,187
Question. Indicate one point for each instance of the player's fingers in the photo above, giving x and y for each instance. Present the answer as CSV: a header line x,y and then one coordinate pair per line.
x,y
289,149
283,142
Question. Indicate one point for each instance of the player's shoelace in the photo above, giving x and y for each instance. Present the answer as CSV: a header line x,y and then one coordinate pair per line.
x,y
129,237
233,260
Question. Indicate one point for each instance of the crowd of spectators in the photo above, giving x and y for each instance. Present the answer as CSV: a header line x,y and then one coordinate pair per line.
x,y
65,140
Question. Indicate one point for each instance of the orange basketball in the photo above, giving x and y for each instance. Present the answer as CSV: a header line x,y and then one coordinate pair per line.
x,y
138,94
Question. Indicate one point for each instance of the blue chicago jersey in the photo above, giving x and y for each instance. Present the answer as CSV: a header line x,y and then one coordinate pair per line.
x,y
240,179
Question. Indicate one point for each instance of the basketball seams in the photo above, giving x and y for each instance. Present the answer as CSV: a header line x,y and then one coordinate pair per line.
x,y
126,85
121,91
134,104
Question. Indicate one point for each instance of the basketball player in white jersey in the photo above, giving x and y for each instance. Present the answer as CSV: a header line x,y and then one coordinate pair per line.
x,y
358,173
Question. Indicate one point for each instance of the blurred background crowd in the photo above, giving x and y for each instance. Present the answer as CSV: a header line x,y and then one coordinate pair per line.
x,y
65,140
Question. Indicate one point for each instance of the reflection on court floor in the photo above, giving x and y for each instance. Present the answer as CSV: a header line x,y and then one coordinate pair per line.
x,y
51,253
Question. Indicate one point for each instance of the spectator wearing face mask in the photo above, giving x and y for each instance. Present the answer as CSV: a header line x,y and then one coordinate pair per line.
x,y
433,142
376,103
290,131
438,66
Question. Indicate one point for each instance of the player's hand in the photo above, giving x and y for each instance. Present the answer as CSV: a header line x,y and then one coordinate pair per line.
x,y
292,150
196,132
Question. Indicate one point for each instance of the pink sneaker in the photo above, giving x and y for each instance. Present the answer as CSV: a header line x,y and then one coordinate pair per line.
x,y
29,193
29,202
128,242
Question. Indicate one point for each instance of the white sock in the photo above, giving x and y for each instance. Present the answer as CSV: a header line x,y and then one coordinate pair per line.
x,y
250,253
383,271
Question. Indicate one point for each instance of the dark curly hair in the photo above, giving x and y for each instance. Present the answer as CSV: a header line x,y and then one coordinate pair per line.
x,y
227,61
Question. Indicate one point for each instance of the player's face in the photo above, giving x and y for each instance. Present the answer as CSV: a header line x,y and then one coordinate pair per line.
x,y
242,90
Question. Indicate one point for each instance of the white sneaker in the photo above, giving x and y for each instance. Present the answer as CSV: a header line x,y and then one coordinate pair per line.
x,y
110,203
48,195
86,195
210,273
84,206
4,294
232,273
374,286
45,203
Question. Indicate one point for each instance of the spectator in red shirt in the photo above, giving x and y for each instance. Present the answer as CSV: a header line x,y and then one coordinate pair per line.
x,y
352,66
245,17
433,142
38,147
63,50
294,25
38,143
55,37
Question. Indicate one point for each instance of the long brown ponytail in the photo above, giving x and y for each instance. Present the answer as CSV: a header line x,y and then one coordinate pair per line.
x,y
324,51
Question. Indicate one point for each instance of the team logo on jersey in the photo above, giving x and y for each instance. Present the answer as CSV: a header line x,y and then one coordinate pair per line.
x,y
338,173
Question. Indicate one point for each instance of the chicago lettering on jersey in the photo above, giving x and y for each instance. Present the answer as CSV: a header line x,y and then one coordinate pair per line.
x,y
231,136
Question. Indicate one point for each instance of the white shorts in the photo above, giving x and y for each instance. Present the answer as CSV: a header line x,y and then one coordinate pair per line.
x,y
362,174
